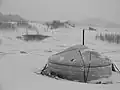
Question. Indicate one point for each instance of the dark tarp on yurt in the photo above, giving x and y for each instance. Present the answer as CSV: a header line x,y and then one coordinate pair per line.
x,y
79,63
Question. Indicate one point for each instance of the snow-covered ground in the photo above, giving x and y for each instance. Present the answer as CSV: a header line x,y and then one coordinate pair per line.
x,y
17,69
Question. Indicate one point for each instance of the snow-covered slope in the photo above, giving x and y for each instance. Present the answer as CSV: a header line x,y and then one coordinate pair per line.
x,y
17,69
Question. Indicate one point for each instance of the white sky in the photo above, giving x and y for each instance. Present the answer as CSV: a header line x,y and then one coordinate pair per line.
x,y
63,9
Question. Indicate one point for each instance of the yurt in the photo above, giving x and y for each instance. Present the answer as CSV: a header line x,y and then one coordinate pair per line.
x,y
79,63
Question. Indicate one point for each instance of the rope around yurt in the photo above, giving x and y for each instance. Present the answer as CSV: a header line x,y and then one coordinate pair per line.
x,y
88,67
84,74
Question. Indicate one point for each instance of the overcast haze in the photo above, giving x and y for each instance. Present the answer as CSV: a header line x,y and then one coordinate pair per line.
x,y
63,9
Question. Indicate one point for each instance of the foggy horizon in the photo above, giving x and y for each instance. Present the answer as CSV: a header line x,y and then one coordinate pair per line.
x,y
75,10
